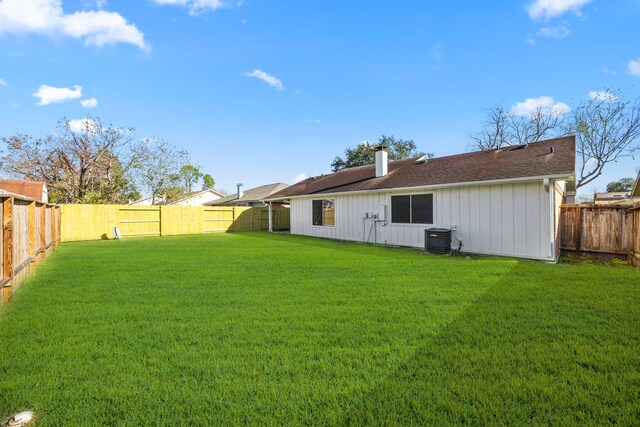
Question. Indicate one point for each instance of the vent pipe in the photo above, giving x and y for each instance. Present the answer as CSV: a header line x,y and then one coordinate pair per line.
x,y
381,161
240,190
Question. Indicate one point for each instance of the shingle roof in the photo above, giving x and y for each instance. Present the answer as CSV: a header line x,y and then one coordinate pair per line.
x,y
543,158
250,195
30,189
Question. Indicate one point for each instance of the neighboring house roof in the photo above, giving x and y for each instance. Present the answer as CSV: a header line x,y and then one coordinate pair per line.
x,y
554,157
147,201
612,195
195,194
635,192
617,198
142,202
35,190
250,195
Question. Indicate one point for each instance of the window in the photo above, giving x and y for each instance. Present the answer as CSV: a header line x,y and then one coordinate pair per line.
x,y
413,209
324,212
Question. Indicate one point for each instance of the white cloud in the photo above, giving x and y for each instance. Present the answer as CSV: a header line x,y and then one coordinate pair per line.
x,y
545,103
602,95
3,83
89,103
268,79
608,72
312,121
51,95
81,125
559,32
198,6
634,67
300,177
47,18
15,105
543,9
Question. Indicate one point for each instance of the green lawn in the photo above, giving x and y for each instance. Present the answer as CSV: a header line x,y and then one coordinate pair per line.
x,y
255,328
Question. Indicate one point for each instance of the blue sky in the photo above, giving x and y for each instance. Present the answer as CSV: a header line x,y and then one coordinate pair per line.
x,y
265,91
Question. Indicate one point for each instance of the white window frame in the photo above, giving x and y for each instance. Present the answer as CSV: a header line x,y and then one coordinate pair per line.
x,y
332,200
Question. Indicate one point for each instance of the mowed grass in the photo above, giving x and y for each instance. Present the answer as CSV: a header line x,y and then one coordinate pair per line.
x,y
256,328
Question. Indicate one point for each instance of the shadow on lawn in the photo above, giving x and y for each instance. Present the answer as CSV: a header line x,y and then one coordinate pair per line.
x,y
521,353
387,251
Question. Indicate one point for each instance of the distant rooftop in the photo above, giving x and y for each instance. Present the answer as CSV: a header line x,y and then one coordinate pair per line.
x,y
35,190
251,195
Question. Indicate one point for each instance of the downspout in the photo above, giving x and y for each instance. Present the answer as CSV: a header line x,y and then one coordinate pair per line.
x,y
270,218
549,187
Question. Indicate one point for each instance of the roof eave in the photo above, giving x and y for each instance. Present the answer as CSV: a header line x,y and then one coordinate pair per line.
x,y
566,176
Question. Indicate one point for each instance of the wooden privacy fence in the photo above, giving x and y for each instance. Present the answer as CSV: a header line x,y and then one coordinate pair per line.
x,y
634,250
93,222
30,232
604,230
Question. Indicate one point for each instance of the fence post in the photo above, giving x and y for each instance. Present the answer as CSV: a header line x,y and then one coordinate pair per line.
x,y
579,242
52,226
7,252
43,235
32,235
161,208
58,226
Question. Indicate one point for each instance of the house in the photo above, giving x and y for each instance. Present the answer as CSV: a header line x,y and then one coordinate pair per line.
x,y
147,201
197,198
500,202
253,197
35,190
612,198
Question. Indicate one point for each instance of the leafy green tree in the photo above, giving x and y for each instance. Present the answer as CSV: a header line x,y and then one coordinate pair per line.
x,y
159,171
624,184
208,182
364,153
190,175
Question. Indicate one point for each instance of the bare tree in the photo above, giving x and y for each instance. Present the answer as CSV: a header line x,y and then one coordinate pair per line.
x,y
607,129
541,123
495,130
85,162
504,127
